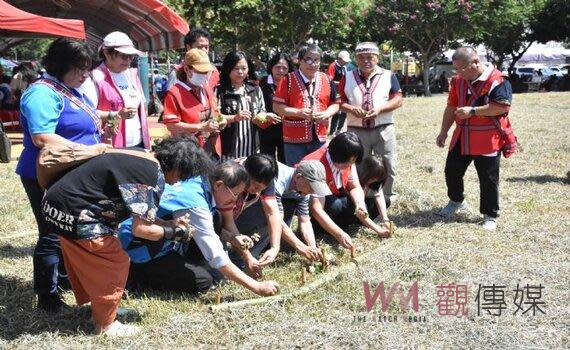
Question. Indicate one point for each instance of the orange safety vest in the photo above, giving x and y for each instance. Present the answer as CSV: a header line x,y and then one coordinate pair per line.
x,y
481,135
298,130
321,156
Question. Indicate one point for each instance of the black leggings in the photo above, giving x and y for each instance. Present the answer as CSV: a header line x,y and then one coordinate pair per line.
x,y
171,272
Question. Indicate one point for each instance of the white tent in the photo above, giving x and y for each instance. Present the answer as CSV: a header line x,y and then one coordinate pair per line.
x,y
549,55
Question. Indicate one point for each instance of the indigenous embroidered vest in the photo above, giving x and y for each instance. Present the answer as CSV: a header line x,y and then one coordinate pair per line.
x,y
377,94
481,135
321,156
298,130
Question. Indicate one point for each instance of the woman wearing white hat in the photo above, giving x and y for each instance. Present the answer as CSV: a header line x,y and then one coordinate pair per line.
x,y
120,99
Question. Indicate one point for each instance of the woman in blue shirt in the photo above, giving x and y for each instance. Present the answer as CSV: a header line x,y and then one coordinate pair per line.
x,y
52,111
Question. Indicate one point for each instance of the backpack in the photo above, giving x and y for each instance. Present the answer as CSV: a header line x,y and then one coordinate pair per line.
x,y
54,161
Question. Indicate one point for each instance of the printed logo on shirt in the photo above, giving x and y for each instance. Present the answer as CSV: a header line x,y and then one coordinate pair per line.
x,y
57,217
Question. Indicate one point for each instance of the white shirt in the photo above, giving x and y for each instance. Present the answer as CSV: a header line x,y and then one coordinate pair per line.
x,y
306,80
131,99
337,174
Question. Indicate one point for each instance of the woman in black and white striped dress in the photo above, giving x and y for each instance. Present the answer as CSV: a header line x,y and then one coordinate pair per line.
x,y
240,102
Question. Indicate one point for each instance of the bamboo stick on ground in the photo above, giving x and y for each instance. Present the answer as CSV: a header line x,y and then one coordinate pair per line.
x,y
333,273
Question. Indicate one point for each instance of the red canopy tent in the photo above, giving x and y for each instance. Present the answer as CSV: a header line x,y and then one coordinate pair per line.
x,y
17,23
151,24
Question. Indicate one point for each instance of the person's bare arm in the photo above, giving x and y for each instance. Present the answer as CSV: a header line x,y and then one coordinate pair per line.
x,y
40,140
265,288
309,252
228,223
274,220
284,110
316,205
182,128
446,123
488,110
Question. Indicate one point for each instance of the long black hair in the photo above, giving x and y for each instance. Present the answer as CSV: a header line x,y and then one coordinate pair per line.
x,y
372,167
229,63
183,154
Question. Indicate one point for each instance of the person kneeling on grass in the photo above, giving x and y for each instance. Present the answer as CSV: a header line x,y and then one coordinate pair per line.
x,y
339,159
372,176
86,206
290,189
182,266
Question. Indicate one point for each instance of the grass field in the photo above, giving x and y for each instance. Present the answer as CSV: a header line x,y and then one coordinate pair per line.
x,y
530,246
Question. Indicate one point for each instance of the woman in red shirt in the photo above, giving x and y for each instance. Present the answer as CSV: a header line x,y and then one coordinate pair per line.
x,y
190,104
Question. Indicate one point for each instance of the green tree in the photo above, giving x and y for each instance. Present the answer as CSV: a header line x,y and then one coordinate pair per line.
x,y
30,50
426,28
259,26
505,28
553,22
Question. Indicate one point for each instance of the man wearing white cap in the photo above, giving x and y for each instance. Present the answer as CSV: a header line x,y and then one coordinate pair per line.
x,y
336,71
120,98
369,96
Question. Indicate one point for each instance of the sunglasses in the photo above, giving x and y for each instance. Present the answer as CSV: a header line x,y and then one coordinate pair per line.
x,y
311,61
125,57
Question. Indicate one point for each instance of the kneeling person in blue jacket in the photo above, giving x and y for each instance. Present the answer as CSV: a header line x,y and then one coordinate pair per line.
x,y
185,266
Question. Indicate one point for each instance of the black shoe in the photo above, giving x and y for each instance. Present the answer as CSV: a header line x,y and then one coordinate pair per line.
x,y
51,303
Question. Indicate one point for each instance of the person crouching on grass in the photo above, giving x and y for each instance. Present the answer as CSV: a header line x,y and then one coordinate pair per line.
x,y
288,189
183,266
86,206
372,175
346,204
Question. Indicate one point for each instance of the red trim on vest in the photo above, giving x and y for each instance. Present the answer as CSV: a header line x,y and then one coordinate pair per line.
x,y
298,130
321,155
481,135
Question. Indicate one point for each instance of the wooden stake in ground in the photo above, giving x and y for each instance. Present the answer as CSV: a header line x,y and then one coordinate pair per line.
x,y
309,287
303,273
324,260
353,255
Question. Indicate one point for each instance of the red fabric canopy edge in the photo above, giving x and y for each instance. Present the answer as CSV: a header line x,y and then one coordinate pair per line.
x,y
14,19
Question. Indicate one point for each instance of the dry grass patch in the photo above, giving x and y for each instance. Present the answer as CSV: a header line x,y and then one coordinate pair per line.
x,y
530,246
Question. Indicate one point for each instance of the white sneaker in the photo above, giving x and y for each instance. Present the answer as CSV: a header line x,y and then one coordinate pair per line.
x,y
452,208
489,223
117,329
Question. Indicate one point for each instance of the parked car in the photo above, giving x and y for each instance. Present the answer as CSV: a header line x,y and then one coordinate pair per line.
x,y
524,73
550,71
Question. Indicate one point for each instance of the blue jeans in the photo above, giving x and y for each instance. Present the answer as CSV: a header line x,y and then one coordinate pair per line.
x,y
295,152
48,259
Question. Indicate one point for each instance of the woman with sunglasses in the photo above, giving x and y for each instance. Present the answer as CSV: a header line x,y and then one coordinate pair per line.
x,y
120,99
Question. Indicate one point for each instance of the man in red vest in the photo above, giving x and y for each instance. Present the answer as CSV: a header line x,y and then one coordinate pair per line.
x,y
346,205
479,101
306,99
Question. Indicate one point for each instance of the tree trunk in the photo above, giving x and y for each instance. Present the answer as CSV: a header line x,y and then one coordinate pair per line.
x,y
425,71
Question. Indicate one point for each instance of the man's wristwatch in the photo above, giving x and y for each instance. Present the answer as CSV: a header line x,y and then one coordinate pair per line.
x,y
472,111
